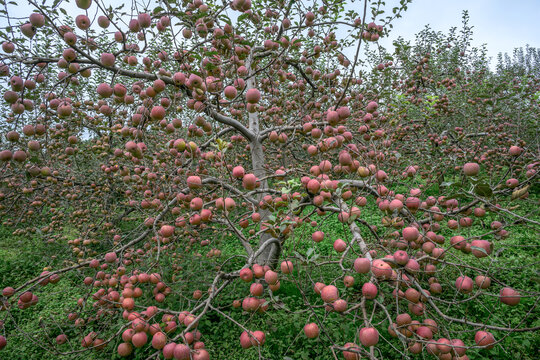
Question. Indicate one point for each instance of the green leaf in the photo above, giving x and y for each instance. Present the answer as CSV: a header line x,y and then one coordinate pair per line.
x,y
479,249
455,196
483,190
299,256
455,184
225,18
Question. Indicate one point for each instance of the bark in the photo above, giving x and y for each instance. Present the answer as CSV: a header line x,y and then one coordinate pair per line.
x,y
271,252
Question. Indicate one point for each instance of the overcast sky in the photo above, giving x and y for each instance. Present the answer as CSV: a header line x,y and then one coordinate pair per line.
x,y
501,24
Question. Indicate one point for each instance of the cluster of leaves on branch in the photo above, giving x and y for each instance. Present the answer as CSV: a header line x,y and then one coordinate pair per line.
x,y
188,154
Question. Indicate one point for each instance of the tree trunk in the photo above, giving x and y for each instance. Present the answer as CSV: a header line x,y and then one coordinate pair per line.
x,y
270,254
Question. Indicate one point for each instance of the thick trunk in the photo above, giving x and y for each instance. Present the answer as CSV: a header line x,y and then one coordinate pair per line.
x,y
270,254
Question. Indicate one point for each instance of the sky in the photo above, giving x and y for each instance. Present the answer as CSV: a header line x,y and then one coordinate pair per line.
x,y
501,24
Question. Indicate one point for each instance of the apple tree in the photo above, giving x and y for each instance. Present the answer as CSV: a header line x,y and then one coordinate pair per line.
x,y
267,165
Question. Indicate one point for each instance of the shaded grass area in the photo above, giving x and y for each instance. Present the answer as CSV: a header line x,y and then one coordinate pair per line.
x,y
23,258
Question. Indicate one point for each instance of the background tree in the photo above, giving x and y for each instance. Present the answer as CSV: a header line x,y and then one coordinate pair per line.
x,y
523,62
